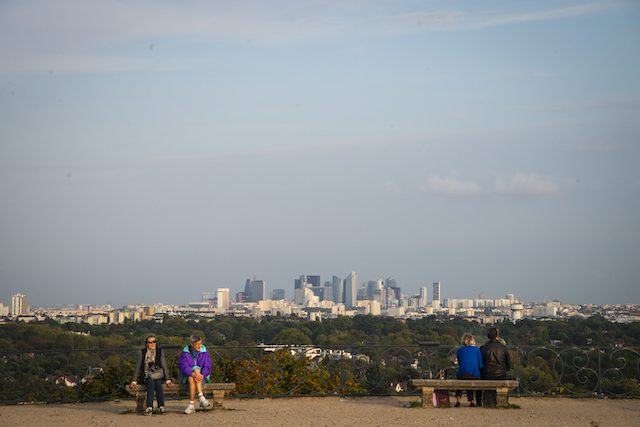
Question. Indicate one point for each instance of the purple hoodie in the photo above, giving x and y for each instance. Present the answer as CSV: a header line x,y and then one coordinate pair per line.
x,y
187,362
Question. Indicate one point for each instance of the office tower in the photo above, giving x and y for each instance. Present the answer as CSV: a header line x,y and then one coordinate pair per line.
x,y
338,289
423,297
317,291
361,293
300,283
314,281
223,298
240,297
393,293
19,304
255,290
375,290
393,288
277,294
435,301
328,291
350,290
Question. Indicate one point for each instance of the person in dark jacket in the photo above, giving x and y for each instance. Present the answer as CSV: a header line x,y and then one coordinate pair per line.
x,y
151,370
496,362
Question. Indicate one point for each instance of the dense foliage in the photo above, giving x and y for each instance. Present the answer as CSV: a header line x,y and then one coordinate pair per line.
x,y
243,331
47,361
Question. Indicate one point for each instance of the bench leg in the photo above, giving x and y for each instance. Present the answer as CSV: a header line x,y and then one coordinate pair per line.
x,y
218,398
427,397
502,398
141,397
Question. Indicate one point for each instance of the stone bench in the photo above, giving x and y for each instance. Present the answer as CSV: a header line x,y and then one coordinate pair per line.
x,y
217,390
427,386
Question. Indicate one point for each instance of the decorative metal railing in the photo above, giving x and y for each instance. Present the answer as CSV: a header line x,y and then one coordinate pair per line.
x,y
102,374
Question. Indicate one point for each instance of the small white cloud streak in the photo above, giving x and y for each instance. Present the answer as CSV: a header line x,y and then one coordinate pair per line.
x,y
527,185
542,15
452,186
31,30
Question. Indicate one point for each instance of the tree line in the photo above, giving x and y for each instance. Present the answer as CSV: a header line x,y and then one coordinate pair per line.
x,y
363,330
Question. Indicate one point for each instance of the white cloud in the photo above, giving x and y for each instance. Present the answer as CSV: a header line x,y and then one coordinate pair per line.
x,y
523,184
452,186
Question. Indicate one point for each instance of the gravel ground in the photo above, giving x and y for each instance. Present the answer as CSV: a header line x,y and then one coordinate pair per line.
x,y
335,411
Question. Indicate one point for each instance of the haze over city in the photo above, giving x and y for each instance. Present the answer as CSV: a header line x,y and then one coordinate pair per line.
x,y
151,151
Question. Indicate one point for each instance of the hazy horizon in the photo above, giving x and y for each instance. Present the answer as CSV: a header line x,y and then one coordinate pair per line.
x,y
151,151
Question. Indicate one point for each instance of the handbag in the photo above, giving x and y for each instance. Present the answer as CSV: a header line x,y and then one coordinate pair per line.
x,y
441,399
156,373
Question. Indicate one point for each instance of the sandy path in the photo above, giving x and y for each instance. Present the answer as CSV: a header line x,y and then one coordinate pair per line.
x,y
334,411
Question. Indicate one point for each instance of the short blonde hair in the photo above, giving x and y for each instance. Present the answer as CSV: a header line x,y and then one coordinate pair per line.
x,y
468,339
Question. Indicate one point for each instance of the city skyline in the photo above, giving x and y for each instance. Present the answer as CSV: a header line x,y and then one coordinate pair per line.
x,y
164,147
431,294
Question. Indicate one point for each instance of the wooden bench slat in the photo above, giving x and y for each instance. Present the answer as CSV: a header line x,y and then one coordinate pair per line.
x,y
467,384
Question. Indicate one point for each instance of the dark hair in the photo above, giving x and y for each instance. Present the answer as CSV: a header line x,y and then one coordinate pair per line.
x,y
146,340
492,334
195,338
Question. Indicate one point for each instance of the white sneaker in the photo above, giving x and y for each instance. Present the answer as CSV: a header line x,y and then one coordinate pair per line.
x,y
162,411
148,411
204,403
190,409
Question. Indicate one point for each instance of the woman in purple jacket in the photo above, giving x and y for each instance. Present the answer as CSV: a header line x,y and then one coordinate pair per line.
x,y
195,366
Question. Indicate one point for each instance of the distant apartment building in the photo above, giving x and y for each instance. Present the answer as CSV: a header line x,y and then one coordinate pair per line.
x,y
19,305
370,307
222,298
435,298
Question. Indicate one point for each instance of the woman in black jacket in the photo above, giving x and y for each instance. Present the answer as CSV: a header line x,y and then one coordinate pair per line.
x,y
151,369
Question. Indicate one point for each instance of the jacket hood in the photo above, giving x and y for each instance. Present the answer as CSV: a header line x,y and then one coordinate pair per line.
x,y
203,349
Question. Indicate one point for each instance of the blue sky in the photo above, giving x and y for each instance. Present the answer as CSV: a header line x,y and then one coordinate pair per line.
x,y
150,151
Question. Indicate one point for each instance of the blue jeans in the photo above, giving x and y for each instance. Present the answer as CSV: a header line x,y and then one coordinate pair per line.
x,y
154,385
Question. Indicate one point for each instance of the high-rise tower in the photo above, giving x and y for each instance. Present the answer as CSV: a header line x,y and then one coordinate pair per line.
x,y
350,290
435,299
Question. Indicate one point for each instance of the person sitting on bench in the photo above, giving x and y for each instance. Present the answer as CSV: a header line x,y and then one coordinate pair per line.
x,y
195,366
496,360
470,364
151,369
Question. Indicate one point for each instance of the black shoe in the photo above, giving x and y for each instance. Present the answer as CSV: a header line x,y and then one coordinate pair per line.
x,y
457,405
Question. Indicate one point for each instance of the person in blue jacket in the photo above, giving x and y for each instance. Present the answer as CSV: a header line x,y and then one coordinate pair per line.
x,y
469,366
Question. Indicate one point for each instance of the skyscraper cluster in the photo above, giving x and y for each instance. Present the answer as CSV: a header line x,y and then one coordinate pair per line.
x,y
386,292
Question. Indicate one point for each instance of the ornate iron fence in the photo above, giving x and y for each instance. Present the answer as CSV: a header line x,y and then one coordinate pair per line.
x,y
259,371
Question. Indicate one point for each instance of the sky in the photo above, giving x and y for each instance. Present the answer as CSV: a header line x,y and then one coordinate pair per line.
x,y
154,150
